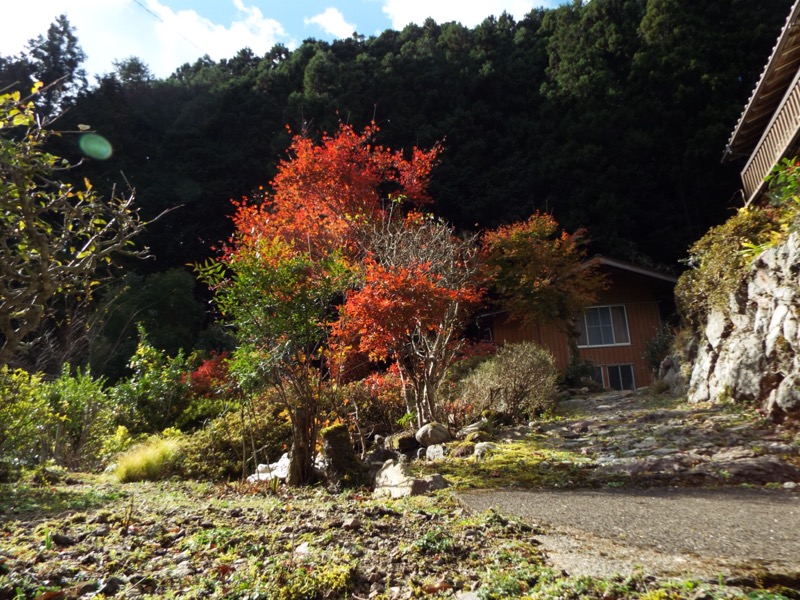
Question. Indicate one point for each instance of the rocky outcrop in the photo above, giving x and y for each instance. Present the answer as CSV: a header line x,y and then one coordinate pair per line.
x,y
751,350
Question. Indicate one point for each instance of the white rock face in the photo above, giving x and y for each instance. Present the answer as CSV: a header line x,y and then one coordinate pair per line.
x,y
751,351
276,470
396,481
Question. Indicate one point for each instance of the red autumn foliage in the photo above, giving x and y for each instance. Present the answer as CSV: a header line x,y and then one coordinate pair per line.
x,y
395,303
211,377
325,193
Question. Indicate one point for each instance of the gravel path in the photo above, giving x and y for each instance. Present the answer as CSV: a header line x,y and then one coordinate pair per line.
x,y
668,531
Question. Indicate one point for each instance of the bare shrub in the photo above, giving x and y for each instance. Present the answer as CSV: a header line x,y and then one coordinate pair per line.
x,y
519,380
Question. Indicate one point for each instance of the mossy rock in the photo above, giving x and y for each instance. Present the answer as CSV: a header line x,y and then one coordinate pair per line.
x,y
344,469
497,418
402,442
479,436
462,449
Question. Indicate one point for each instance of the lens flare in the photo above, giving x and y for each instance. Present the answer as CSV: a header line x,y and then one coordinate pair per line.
x,y
95,146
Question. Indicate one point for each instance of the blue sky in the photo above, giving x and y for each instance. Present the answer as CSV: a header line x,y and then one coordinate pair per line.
x,y
167,33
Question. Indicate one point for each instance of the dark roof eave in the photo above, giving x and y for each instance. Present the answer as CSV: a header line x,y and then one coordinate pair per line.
x,y
742,139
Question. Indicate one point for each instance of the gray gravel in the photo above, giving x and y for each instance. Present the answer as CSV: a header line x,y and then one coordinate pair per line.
x,y
668,531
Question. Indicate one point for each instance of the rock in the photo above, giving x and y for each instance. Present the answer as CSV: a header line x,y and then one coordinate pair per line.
x,y
402,442
432,433
63,540
395,480
735,453
749,350
303,549
277,470
351,524
342,468
484,448
112,586
482,425
478,436
759,469
380,455
462,450
436,452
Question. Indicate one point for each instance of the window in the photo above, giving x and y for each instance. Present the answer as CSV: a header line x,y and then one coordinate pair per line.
x,y
620,377
603,326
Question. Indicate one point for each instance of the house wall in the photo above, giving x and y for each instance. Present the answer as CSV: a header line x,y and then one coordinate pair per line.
x,y
641,301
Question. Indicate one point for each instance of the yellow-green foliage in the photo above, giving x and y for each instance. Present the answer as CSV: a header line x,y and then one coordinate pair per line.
x,y
218,450
720,260
24,410
154,459
310,579
718,264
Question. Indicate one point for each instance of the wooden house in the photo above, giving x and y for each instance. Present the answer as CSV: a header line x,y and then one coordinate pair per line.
x,y
613,332
769,128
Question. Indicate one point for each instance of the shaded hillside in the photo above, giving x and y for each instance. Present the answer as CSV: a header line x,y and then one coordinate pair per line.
x,y
611,114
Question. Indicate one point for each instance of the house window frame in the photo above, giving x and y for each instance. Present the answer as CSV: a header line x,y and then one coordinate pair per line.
x,y
607,376
611,314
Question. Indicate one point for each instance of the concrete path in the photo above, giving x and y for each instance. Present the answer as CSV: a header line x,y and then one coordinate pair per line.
x,y
687,532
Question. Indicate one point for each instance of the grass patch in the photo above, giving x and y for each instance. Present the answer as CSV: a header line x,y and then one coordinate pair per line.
x,y
154,459
20,498
522,463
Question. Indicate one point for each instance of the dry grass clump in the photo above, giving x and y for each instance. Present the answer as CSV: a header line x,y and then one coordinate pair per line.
x,y
151,460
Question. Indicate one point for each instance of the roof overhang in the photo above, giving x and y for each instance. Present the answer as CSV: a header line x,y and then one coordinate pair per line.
x,y
770,90
631,268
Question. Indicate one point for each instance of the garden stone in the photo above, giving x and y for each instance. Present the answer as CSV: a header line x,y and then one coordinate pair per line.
x,y
484,448
402,442
481,425
396,481
276,470
435,452
432,433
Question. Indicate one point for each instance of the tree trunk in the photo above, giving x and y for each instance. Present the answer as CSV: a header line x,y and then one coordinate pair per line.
x,y
301,460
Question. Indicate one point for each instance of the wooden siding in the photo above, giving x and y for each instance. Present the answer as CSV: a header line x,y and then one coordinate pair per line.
x,y
779,140
644,318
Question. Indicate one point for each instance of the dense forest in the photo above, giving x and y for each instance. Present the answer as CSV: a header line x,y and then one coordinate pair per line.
x,y
610,115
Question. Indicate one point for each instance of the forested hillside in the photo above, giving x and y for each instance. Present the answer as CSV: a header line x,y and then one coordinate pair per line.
x,y
610,115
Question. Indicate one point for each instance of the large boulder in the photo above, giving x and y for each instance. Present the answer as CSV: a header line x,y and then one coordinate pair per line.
x,y
432,433
396,481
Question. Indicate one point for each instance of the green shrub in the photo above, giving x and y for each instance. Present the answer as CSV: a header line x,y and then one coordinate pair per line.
x,y
25,411
85,417
233,444
718,265
580,372
157,393
154,459
520,380
658,348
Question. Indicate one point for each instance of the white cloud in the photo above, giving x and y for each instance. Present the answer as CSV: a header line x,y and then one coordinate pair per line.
x,y
164,39
331,20
470,14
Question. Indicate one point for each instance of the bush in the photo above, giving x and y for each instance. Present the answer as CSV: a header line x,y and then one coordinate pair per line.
x,y
233,444
155,459
157,392
580,372
378,400
84,417
25,411
519,380
719,265
658,348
